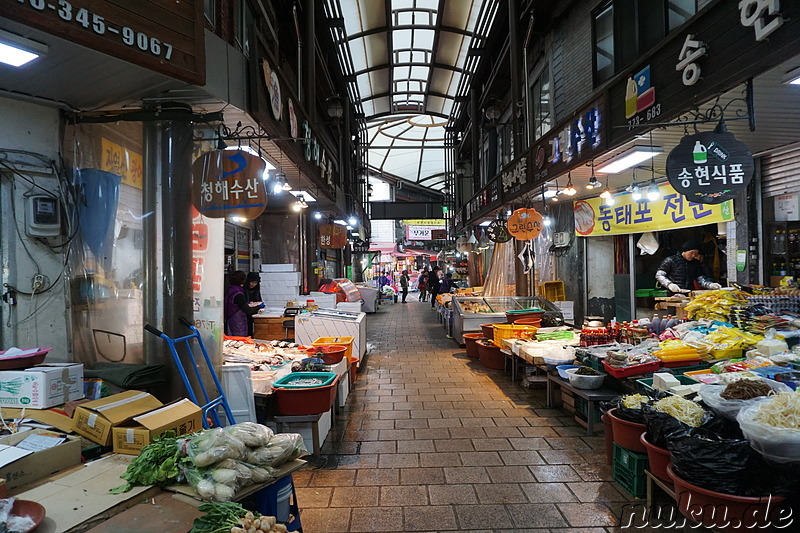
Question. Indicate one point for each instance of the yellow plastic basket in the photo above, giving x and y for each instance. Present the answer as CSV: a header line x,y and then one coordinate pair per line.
x,y
554,291
512,331
337,341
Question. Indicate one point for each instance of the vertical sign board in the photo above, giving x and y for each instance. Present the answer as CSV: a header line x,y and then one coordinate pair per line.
x,y
208,249
123,162
165,37
722,46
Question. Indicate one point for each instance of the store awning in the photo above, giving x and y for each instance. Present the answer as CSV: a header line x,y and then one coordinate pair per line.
x,y
418,251
384,248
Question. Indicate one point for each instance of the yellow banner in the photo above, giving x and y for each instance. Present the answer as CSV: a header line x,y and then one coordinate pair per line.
x,y
426,222
123,162
672,210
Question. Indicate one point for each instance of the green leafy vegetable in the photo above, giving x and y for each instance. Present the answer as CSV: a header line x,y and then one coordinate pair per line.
x,y
157,464
219,517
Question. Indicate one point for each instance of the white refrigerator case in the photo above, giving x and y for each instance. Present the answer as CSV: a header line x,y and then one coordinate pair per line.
x,y
308,327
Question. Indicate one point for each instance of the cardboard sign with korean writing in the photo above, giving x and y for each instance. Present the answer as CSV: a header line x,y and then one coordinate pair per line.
x,y
123,162
525,224
709,167
332,236
419,233
229,183
671,211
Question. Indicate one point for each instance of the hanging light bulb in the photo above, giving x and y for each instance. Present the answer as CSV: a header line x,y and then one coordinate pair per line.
x,y
653,194
569,190
636,191
606,194
593,183
318,215
547,220
353,221
610,200
286,185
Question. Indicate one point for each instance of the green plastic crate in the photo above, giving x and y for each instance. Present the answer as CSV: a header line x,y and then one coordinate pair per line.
x,y
628,471
594,362
660,294
647,384
644,293
684,369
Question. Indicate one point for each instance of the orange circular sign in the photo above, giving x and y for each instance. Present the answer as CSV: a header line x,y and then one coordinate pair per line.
x,y
525,224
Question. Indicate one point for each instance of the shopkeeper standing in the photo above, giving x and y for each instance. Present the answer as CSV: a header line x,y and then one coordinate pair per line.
x,y
677,273
238,311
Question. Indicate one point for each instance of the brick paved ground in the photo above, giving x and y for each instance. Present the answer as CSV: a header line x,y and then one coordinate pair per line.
x,y
432,441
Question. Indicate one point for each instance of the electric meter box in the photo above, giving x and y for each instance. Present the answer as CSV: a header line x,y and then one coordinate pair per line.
x,y
42,216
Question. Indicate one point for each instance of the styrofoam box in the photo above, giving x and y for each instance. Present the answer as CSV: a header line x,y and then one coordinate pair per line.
x,y
322,300
238,387
351,307
276,267
567,309
304,428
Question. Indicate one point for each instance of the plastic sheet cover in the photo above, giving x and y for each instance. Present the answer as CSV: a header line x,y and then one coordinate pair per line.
x,y
501,279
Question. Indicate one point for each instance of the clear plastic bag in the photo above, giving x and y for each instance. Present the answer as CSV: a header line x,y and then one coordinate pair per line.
x,y
282,448
212,484
777,445
214,445
251,434
710,395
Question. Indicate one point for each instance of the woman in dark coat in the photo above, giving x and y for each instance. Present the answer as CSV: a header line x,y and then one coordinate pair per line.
x,y
238,311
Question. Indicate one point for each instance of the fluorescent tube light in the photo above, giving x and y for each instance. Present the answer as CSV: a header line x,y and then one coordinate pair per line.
x,y
17,51
628,159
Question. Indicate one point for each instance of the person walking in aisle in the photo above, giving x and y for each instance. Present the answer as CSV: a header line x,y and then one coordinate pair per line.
x,y
422,285
404,284
433,285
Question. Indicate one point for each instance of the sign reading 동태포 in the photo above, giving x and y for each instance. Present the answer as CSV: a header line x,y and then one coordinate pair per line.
x,y
710,167
673,210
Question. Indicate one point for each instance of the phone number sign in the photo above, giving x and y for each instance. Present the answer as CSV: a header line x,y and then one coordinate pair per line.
x,y
165,37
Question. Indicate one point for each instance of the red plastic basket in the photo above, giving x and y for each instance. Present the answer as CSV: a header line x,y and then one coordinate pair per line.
x,y
310,401
329,354
634,370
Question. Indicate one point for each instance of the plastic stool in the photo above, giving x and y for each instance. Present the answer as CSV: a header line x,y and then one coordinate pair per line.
x,y
280,500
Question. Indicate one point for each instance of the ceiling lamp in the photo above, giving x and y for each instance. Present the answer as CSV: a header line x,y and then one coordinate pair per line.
x,y
610,200
300,204
653,193
352,221
606,194
334,107
569,190
593,183
317,215
636,191
17,51
628,159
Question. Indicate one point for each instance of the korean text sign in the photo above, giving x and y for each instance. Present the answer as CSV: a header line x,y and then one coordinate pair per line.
x,y
672,210
229,183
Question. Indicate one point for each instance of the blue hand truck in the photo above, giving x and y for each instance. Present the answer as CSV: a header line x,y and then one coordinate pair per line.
x,y
210,406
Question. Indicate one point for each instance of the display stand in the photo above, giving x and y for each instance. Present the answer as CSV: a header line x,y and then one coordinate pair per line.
x,y
591,396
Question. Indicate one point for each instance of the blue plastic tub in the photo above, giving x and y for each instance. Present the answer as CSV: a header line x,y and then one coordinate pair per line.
x,y
295,379
562,370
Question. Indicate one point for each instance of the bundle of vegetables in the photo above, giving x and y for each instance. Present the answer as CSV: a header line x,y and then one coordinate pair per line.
x,y
634,401
233,518
223,460
215,462
715,305
157,464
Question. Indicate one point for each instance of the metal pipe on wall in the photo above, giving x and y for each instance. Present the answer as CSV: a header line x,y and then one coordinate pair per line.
x,y
153,346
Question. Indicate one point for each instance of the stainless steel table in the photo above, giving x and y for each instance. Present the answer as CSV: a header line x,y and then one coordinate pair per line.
x,y
590,395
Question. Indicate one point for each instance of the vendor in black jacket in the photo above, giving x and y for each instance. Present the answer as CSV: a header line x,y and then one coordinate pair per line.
x,y
678,272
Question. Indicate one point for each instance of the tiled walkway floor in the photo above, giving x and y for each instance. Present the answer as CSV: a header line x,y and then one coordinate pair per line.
x,y
432,441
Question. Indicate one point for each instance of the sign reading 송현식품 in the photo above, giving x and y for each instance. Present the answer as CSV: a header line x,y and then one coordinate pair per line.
x,y
672,210
710,167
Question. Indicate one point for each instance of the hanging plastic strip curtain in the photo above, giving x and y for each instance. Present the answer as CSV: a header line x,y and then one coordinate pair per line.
x,y
501,279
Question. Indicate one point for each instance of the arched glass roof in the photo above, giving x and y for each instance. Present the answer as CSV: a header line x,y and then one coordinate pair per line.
x,y
404,59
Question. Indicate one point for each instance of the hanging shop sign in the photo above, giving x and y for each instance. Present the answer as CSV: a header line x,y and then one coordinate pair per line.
x,y
425,233
166,39
227,183
123,162
488,198
332,236
498,231
697,64
525,224
360,246
710,167
673,210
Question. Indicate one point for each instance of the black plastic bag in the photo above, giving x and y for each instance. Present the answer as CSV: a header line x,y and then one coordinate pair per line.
x,y
711,462
636,416
660,426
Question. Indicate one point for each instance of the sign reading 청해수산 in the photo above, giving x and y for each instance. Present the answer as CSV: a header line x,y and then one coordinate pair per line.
x,y
710,167
672,210
228,183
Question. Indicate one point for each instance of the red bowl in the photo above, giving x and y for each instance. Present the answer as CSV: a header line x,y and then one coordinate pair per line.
x,y
330,355
34,511
24,361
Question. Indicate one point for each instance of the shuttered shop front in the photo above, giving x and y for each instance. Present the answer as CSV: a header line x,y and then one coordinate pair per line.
x,y
780,172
